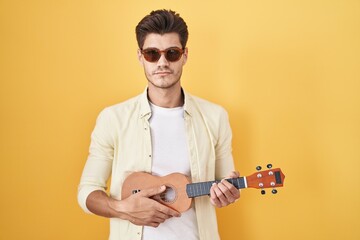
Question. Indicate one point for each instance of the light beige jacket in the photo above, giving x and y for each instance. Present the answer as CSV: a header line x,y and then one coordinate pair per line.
x,y
121,144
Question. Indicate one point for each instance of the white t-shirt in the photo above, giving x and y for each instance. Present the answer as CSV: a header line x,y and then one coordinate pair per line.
x,y
170,154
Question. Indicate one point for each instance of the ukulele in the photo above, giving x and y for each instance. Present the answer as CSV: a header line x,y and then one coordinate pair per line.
x,y
180,191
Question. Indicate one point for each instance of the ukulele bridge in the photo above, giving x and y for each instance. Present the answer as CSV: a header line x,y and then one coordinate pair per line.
x,y
135,191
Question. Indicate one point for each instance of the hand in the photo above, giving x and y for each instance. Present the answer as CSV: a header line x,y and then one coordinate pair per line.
x,y
141,210
224,193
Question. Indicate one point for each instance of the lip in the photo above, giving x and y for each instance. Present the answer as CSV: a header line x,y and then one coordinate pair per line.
x,y
162,73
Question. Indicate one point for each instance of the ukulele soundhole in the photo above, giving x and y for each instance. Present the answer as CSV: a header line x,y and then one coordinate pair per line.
x,y
169,195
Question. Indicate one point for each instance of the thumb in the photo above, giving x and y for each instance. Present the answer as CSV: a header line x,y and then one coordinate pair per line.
x,y
152,191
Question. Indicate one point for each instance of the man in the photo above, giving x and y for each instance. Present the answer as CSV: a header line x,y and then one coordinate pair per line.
x,y
161,131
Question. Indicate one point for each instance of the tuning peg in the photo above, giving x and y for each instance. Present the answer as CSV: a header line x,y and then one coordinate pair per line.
x,y
258,168
263,192
269,166
274,191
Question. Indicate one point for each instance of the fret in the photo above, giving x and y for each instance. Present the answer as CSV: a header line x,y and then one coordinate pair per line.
x,y
209,184
231,180
203,188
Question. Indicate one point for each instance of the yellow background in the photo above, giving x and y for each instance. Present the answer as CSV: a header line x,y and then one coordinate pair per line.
x,y
288,72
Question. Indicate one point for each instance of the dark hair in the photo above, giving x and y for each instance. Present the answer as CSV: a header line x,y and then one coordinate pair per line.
x,y
161,22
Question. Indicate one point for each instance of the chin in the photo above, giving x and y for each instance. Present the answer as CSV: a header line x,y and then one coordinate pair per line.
x,y
162,84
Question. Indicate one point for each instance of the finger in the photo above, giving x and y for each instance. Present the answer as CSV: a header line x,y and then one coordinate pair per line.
x,y
213,198
166,210
228,197
148,193
233,190
145,223
152,191
159,220
149,220
170,212
160,216
217,196
153,224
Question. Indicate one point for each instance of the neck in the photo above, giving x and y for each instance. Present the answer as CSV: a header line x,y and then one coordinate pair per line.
x,y
166,98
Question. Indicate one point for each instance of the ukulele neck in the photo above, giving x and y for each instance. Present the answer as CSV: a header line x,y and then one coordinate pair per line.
x,y
203,188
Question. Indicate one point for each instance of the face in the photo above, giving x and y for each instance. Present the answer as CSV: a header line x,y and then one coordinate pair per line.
x,y
163,73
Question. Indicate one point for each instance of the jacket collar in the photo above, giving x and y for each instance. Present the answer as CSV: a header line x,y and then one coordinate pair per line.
x,y
145,110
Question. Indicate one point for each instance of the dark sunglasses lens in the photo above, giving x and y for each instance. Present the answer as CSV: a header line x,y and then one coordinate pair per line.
x,y
152,55
173,55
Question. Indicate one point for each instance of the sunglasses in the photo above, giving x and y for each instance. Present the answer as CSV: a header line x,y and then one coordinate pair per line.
x,y
172,54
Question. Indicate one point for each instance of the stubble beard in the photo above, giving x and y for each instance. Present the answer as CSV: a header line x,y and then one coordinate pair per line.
x,y
162,81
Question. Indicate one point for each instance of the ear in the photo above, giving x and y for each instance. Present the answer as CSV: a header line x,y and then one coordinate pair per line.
x,y
139,55
185,55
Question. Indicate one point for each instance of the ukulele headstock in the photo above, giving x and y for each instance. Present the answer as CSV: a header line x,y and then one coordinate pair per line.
x,y
271,178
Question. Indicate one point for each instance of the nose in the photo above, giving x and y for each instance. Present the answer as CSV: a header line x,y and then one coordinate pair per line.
x,y
162,61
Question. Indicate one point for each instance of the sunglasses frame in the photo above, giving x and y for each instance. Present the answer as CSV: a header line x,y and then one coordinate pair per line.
x,y
165,51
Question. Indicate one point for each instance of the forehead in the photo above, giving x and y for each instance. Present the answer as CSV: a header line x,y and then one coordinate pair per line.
x,y
154,40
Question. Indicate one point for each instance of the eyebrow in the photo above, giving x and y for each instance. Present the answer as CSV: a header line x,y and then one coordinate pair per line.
x,y
164,48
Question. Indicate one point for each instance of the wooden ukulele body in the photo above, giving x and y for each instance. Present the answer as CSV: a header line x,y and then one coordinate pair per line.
x,y
174,196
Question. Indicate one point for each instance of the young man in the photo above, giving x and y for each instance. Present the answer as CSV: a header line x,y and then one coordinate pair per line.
x,y
162,131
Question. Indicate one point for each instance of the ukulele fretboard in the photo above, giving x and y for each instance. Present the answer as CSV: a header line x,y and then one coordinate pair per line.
x,y
203,188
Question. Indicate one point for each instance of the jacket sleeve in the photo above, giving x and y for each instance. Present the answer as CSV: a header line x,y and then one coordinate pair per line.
x,y
99,162
223,149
